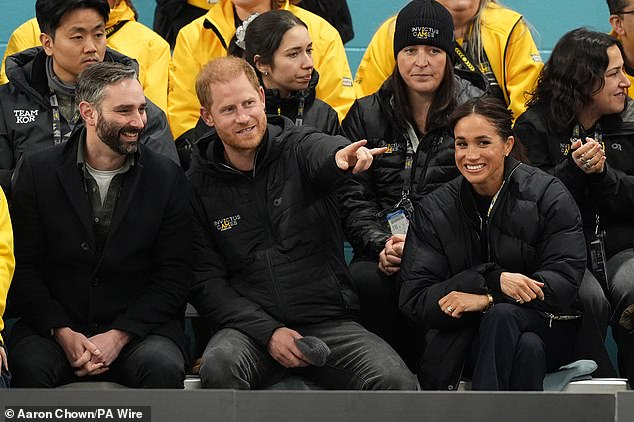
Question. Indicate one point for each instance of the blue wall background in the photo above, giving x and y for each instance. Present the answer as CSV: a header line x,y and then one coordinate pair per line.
x,y
549,18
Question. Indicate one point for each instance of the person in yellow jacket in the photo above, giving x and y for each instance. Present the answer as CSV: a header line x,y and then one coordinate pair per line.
x,y
622,22
208,37
493,40
7,265
126,36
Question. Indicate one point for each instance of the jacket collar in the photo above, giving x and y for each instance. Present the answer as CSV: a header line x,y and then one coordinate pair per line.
x,y
275,103
27,70
121,12
71,178
208,153
221,19
467,199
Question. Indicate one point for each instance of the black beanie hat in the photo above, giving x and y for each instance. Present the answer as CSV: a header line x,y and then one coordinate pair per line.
x,y
424,22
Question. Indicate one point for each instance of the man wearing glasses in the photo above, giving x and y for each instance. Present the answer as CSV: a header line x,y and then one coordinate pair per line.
x,y
622,21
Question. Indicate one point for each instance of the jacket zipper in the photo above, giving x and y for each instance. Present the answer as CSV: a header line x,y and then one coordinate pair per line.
x,y
269,236
492,210
432,150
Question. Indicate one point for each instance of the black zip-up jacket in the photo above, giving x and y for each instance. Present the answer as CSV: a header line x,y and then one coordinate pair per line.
x,y
534,229
317,113
611,193
268,247
381,187
26,120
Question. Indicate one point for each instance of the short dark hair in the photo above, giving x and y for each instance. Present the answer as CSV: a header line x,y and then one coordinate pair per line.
x,y
264,35
616,6
497,113
93,80
49,13
573,73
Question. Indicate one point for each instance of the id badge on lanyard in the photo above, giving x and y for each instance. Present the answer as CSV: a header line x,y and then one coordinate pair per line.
x,y
399,216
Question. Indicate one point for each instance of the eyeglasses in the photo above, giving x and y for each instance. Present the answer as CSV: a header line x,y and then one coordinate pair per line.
x,y
629,12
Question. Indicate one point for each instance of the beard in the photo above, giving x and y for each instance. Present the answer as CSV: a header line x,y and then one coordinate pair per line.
x,y
110,134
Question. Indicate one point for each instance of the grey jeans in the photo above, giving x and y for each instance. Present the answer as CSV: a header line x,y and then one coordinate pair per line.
x,y
359,360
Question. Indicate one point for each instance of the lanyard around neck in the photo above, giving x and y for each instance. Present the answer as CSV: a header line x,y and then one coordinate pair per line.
x,y
58,138
299,119
598,134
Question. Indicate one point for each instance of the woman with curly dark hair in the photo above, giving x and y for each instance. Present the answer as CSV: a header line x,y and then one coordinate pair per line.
x,y
579,127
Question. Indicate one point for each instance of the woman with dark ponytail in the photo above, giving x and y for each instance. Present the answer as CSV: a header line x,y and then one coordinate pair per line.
x,y
278,46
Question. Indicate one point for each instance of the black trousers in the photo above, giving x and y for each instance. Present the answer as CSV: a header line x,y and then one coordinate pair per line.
x,y
154,362
378,298
516,347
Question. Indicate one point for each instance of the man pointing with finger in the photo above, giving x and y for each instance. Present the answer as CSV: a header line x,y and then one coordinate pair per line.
x,y
269,265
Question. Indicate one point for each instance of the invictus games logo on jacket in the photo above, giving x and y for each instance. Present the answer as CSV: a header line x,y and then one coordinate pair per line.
x,y
25,116
424,32
392,148
227,223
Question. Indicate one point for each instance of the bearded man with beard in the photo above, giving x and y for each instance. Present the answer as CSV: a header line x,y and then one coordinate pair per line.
x,y
37,105
102,230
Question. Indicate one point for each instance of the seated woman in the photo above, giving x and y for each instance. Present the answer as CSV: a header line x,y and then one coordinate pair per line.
x,y
278,46
407,115
491,40
208,37
579,127
492,263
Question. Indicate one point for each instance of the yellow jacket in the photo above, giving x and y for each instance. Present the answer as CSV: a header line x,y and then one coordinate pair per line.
x,y
507,42
133,39
7,260
199,42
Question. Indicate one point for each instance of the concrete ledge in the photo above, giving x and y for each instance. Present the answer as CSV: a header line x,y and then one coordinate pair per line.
x,y
325,406
593,386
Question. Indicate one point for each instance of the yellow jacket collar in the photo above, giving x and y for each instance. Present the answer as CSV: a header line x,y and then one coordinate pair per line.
x,y
121,12
222,17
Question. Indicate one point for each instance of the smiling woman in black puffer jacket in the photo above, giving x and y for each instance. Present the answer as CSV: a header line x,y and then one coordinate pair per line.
x,y
492,264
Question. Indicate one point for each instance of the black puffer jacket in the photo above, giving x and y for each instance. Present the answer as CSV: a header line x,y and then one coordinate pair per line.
x,y
534,229
268,246
380,187
317,113
26,116
611,193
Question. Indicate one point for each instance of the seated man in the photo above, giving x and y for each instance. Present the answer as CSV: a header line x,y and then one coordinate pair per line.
x,y
209,36
38,104
269,264
103,246
125,35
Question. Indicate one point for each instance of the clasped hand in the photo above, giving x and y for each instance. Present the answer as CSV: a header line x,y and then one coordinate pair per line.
x,y
390,256
589,157
94,355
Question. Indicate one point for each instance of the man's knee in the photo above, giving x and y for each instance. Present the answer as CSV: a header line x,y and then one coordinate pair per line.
x,y
34,363
392,374
220,366
159,364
